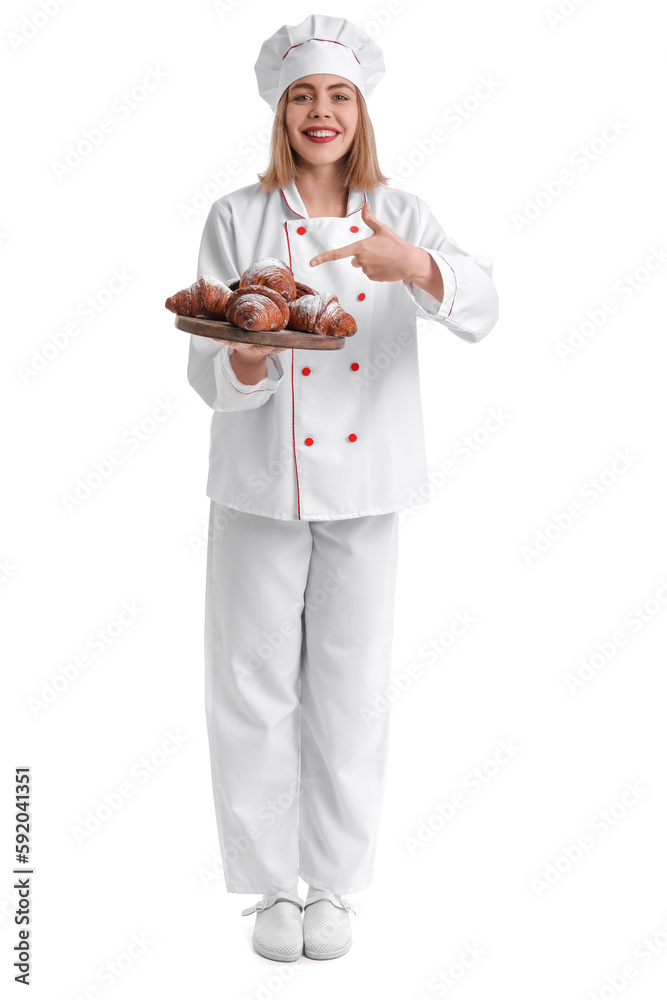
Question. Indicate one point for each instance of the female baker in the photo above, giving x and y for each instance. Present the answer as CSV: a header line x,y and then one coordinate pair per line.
x,y
311,458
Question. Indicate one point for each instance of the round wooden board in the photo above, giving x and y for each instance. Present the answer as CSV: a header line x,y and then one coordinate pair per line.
x,y
267,338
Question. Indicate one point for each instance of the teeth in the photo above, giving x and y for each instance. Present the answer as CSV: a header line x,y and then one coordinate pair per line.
x,y
322,133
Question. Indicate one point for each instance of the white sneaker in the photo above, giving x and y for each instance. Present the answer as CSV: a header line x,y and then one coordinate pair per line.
x,y
278,932
326,925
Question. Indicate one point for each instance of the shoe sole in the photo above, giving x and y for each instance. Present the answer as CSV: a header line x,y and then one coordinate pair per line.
x,y
277,958
336,955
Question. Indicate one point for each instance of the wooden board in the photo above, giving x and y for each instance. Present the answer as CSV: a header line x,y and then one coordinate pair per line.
x,y
267,338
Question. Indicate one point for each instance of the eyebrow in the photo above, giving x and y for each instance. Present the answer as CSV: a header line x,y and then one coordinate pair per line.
x,y
332,86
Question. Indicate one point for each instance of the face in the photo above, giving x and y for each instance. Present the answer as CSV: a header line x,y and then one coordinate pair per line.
x,y
321,103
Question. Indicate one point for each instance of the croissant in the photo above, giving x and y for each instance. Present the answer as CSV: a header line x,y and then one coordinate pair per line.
x,y
321,314
256,307
302,289
207,298
273,273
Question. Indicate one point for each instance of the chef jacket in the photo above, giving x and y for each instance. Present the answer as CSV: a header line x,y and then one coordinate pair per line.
x,y
336,433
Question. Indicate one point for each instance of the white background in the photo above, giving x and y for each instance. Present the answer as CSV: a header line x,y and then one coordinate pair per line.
x,y
137,539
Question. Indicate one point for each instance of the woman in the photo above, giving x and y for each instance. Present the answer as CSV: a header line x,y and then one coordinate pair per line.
x,y
312,455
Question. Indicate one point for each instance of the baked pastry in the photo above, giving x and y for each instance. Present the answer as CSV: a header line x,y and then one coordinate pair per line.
x,y
321,314
206,297
256,307
273,273
265,297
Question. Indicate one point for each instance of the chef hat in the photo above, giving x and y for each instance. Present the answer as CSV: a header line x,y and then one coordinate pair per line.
x,y
320,44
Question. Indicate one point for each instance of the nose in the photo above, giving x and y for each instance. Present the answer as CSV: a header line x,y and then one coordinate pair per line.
x,y
319,108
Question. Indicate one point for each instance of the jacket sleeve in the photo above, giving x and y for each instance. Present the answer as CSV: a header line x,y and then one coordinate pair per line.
x,y
209,369
469,307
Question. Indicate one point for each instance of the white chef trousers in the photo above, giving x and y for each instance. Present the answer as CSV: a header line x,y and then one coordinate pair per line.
x,y
298,640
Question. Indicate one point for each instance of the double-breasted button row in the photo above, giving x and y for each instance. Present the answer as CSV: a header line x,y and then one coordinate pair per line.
x,y
302,229
354,366
350,437
354,229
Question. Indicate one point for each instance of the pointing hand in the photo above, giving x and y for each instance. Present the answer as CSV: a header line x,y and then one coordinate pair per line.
x,y
383,256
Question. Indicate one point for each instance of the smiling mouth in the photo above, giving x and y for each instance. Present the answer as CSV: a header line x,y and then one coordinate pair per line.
x,y
321,133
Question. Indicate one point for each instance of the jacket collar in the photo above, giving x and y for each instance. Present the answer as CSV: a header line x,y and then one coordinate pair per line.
x,y
292,201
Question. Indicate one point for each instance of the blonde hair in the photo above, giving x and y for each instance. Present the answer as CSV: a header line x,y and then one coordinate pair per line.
x,y
360,167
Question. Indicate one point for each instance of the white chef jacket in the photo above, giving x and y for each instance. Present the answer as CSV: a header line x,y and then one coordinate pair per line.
x,y
338,433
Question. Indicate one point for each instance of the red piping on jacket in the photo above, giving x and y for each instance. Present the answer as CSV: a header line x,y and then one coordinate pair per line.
x,y
456,285
291,210
296,468
289,249
304,216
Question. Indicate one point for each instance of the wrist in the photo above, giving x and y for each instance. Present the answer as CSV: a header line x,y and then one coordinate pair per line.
x,y
247,370
420,265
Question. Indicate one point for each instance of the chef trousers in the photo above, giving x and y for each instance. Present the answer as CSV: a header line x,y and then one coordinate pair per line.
x,y
298,641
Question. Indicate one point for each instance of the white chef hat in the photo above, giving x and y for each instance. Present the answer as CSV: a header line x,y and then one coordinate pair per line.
x,y
320,44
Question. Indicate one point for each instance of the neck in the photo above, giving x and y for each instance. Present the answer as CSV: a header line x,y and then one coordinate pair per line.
x,y
322,188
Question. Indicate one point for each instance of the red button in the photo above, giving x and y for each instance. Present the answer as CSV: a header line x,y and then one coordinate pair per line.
x,y
301,230
354,366
352,437
361,296
309,440
305,371
354,229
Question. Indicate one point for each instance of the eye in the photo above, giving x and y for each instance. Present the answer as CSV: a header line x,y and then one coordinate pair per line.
x,y
299,96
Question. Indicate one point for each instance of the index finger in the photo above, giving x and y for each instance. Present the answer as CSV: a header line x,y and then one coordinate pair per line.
x,y
347,251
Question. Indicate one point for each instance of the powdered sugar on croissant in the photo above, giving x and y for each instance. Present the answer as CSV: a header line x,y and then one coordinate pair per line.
x,y
256,307
292,304
250,312
273,273
207,298
310,308
323,314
